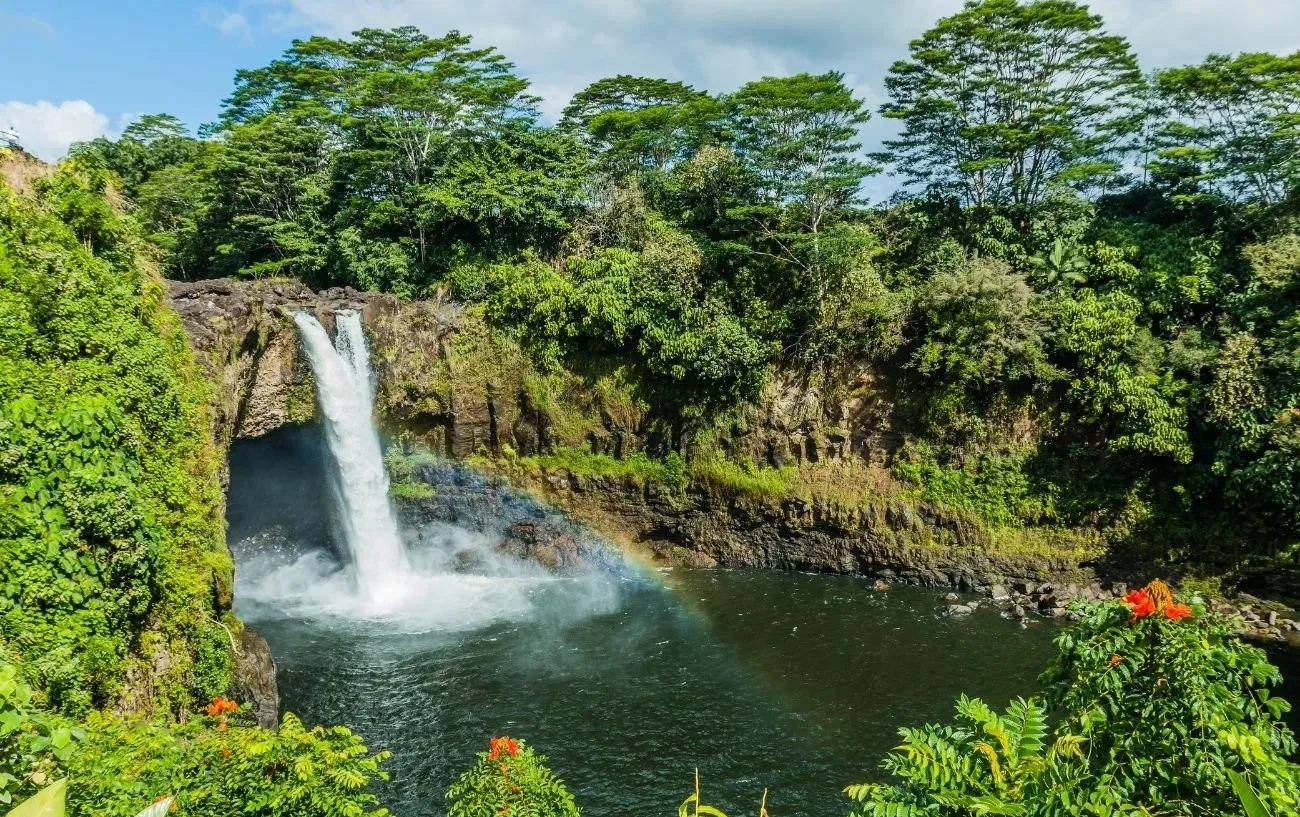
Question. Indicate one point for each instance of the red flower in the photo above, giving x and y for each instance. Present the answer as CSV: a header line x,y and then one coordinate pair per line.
x,y
1136,596
502,744
221,706
1178,612
1141,602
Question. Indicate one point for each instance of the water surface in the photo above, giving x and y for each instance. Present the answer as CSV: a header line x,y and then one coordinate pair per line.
x,y
795,683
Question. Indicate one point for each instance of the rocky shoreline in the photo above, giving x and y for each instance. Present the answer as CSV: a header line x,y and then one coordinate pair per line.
x,y
1259,620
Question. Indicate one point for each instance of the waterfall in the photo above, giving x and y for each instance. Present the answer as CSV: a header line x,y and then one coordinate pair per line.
x,y
345,393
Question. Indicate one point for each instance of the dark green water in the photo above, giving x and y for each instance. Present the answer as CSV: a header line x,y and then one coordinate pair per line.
x,y
792,682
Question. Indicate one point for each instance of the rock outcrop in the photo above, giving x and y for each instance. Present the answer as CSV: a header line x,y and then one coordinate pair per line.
x,y
914,543
452,384
254,679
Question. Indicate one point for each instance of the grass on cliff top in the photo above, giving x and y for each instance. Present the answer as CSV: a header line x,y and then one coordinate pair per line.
x,y
847,483
640,468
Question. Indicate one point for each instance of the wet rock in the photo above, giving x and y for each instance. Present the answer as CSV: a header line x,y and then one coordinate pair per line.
x,y
952,598
1018,611
958,610
999,593
254,679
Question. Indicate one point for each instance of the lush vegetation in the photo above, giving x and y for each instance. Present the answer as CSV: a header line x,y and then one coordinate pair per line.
x,y
1083,306
211,764
114,563
1082,302
114,575
1158,707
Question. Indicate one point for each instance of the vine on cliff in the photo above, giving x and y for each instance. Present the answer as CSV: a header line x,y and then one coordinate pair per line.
x,y
114,575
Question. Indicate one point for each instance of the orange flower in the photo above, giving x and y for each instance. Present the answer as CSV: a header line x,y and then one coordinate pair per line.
x,y
1156,597
502,744
221,706
1115,659
1141,603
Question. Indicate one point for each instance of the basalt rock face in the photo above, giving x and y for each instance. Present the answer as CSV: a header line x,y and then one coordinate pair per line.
x,y
440,377
897,541
254,679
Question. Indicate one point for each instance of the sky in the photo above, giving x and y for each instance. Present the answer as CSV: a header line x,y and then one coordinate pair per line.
x,y
77,69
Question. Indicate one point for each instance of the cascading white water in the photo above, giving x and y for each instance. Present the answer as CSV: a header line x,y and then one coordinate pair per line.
x,y
345,394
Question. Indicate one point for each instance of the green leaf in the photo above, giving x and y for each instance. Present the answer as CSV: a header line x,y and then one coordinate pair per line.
x,y
48,802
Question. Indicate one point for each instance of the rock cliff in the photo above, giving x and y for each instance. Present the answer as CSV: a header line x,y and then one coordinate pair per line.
x,y
449,383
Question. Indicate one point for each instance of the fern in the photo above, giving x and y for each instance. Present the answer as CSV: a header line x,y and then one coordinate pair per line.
x,y
985,764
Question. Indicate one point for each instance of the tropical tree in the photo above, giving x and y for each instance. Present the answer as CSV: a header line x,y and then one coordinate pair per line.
x,y
1233,125
1004,98
641,123
149,144
796,138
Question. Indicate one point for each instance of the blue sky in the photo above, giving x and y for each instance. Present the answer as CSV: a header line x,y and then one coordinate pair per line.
x,y
75,69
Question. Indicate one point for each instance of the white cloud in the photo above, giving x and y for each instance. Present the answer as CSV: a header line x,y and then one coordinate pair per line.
x,y
47,129
229,22
562,45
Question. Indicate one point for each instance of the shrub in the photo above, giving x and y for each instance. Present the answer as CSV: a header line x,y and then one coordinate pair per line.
x,y
216,769
1160,706
510,780
109,496
31,745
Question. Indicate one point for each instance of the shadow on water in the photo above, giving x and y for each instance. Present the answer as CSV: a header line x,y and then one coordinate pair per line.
x,y
792,682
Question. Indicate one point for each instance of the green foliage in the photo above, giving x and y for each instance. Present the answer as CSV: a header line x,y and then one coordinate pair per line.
x,y
1230,127
639,124
48,802
1005,97
670,471
510,779
743,477
32,745
627,302
996,488
984,763
112,543
1162,711
983,336
207,765
1250,801
213,770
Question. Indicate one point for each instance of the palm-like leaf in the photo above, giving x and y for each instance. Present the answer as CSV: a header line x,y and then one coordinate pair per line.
x,y
985,764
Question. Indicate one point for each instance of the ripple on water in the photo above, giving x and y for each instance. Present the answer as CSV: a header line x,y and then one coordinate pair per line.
x,y
791,682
